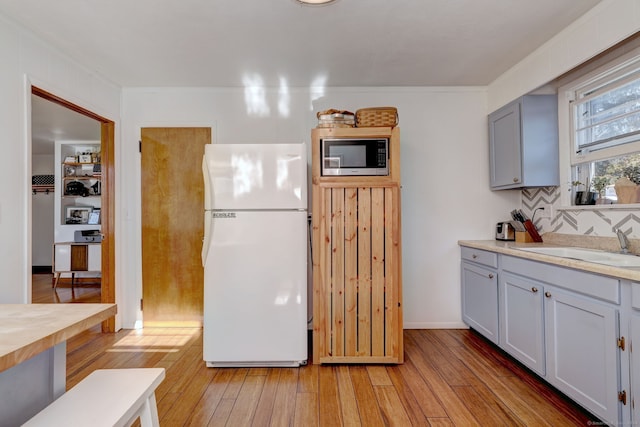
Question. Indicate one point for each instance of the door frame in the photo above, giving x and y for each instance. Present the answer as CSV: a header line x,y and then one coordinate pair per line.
x,y
108,220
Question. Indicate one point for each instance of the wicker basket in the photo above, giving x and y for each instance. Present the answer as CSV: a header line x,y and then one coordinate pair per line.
x,y
377,117
336,119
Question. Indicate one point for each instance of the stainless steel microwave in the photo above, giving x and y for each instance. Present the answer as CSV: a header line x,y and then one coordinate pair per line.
x,y
354,156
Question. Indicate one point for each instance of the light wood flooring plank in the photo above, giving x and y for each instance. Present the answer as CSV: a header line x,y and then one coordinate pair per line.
x,y
510,398
378,375
430,405
306,413
329,403
233,389
221,414
264,410
308,379
183,409
393,412
209,401
369,411
285,403
455,408
408,399
247,401
488,410
347,398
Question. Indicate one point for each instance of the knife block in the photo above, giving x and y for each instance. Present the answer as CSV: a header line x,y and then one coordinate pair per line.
x,y
524,237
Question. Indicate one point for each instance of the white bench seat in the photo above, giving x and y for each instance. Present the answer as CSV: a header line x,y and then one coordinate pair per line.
x,y
106,397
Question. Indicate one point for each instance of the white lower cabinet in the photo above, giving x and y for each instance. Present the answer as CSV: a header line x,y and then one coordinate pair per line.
x,y
568,339
563,324
480,292
522,320
76,257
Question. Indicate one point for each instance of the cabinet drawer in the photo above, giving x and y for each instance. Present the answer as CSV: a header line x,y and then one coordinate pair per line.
x,y
479,256
602,287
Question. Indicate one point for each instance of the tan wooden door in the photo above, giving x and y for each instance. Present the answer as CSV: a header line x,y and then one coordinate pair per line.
x,y
172,225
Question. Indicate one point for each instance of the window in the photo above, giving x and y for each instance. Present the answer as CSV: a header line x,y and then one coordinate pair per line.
x,y
604,120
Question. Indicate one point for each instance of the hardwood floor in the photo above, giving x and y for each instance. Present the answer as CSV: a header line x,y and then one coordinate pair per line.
x,y
449,378
83,291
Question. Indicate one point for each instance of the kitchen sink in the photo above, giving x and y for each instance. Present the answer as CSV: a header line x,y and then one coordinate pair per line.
x,y
589,255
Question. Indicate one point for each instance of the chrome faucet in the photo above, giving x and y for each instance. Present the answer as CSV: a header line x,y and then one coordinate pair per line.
x,y
624,242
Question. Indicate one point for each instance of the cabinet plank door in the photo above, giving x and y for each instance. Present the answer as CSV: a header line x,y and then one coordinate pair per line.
x,y
79,257
364,266
359,304
62,257
95,257
504,146
377,272
351,271
480,299
581,337
522,320
337,270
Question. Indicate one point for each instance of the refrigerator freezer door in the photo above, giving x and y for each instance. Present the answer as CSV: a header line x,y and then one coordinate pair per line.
x,y
256,176
255,295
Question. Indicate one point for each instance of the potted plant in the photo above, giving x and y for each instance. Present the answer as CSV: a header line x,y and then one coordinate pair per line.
x,y
599,183
627,188
583,197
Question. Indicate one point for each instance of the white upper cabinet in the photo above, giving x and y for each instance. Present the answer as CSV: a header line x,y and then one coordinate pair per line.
x,y
523,143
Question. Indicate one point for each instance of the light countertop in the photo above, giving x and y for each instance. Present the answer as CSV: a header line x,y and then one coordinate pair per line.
x,y
511,248
29,329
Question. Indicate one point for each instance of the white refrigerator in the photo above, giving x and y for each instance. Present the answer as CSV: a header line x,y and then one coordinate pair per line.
x,y
255,255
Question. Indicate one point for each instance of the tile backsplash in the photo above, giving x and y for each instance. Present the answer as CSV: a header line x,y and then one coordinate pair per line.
x,y
583,221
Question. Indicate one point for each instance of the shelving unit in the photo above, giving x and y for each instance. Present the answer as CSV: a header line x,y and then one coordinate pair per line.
x,y
357,264
72,257
78,198
79,183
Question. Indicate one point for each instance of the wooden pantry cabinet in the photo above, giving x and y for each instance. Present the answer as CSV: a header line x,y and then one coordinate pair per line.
x,y
357,258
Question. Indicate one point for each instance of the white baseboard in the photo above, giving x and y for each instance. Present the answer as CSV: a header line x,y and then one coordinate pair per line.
x,y
434,325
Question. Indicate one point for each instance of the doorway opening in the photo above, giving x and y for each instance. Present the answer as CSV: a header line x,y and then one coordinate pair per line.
x,y
104,131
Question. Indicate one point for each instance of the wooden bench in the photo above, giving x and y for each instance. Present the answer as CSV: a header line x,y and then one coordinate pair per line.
x,y
106,397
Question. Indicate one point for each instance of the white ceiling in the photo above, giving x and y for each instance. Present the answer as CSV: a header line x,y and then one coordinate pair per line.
x,y
235,43
232,43
51,122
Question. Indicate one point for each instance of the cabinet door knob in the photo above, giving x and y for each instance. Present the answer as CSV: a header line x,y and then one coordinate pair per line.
x,y
547,294
474,256
516,179
490,276
534,289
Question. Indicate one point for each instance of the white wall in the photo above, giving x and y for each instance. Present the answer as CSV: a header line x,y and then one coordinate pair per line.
x,y
42,218
27,60
608,23
444,152
445,191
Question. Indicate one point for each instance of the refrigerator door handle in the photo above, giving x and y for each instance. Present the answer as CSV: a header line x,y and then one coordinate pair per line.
x,y
206,239
207,184
208,217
